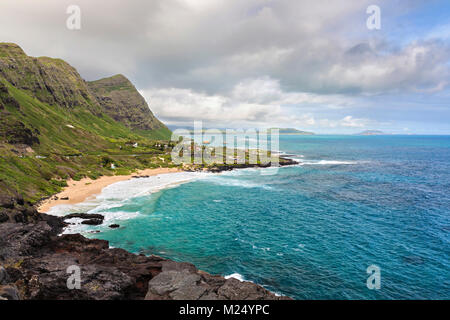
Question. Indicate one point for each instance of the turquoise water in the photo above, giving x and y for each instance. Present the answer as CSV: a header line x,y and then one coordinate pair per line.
x,y
312,230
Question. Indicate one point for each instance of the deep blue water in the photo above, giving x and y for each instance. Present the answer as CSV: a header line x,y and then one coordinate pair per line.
x,y
311,231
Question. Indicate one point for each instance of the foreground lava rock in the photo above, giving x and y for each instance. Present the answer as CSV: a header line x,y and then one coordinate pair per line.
x,y
182,281
34,262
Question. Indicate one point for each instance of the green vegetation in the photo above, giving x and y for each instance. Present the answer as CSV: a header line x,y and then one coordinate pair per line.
x,y
54,127
121,101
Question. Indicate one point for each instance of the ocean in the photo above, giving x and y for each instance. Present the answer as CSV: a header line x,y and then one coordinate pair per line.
x,y
309,231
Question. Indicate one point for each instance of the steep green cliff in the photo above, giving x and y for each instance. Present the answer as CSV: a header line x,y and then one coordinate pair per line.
x,y
121,101
54,125
52,81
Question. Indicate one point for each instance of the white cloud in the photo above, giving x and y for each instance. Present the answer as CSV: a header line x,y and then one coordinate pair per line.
x,y
346,122
251,102
185,105
263,61
213,45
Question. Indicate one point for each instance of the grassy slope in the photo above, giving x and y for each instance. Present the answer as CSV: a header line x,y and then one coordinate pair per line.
x,y
121,100
87,149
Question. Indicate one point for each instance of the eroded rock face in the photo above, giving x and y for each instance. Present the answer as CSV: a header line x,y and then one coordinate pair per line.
x,y
122,102
7,201
88,219
179,281
52,81
3,276
9,293
34,264
12,130
57,83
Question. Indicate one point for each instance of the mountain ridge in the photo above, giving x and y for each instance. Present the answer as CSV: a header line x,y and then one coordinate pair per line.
x,y
56,82
133,112
52,81
52,127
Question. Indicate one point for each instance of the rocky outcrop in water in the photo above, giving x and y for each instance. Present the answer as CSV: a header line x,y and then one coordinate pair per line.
x,y
34,264
228,167
88,219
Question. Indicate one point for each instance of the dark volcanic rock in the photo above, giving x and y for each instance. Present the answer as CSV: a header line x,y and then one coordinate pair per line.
x,y
18,133
182,281
9,292
3,217
19,240
228,167
176,285
93,222
89,219
19,200
12,130
3,276
6,201
38,262
11,211
105,273
84,216
114,226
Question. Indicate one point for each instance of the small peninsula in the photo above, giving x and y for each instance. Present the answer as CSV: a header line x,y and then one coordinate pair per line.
x,y
292,131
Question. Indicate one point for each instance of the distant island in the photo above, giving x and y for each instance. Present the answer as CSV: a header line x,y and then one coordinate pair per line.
x,y
371,133
293,131
280,130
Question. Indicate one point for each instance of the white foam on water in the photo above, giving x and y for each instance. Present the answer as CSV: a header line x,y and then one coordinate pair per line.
x,y
134,188
277,294
325,162
301,159
75,228
237,276
115,195
239,172
236,183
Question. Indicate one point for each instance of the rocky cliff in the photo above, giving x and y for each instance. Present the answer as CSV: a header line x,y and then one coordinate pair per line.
x,y
120,100
55,126
55,82
52,81
34,262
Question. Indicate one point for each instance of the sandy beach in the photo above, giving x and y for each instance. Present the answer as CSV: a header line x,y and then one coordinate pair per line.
x,y
79,191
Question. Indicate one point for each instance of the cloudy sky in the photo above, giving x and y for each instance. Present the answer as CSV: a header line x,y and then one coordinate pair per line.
x,y
308,64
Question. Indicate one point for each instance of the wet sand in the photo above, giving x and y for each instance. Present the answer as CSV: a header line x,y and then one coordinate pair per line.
x,y
79,191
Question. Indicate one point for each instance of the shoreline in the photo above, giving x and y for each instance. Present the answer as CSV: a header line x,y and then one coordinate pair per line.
x,y
79,191
108,274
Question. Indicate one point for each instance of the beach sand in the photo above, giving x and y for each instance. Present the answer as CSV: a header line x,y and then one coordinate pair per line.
x,y
79,191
